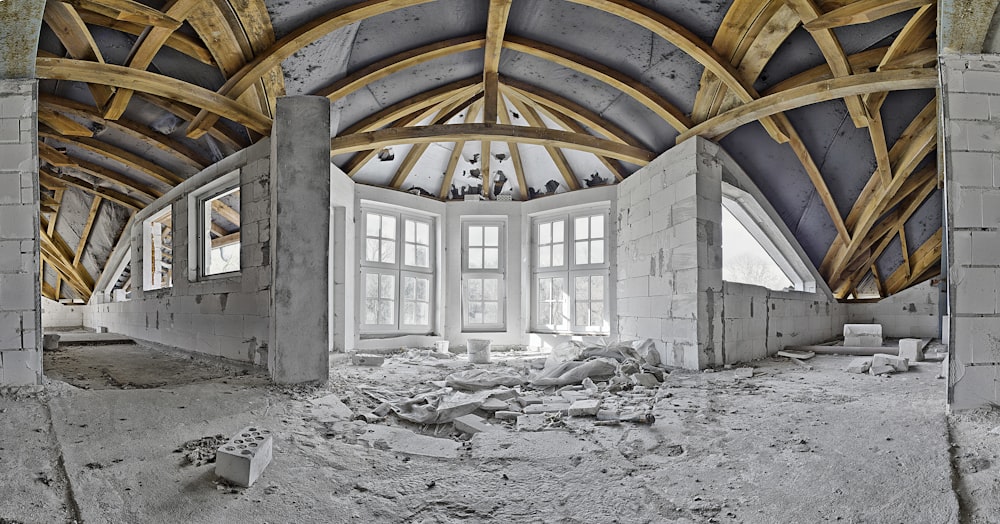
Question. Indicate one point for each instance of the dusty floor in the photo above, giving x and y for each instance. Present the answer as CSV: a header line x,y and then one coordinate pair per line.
x,y
788,445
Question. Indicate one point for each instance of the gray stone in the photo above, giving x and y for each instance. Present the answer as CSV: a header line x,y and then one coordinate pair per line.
x,y
645,379
367,360
859,365
532,422
506,415
534,409
898,363
472,424
911,349
584,408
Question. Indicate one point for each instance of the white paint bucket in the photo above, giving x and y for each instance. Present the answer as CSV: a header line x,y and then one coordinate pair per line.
x,y
441,346
479,351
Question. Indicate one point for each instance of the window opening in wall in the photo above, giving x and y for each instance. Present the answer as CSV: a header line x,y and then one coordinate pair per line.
x,y
483,277
745,260
571,277
158,250
220,226
398,284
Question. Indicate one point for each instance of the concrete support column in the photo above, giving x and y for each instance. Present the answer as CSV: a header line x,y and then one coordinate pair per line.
x,y
969,130
20,298
300,240
669,285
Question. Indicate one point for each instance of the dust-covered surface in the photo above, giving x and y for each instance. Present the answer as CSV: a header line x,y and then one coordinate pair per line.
x,y
976,441
787,444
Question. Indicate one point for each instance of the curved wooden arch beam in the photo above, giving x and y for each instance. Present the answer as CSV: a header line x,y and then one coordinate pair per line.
x,y
926,260
830,46
419,102
558,158
127,10
446,113
613,165
496,26
515,154
160,85
135,130
51,180
863,11
71,30
553,102
117,154
398,62
634,88
99,172
469,132
224,135
302,36
866,59
911,38
177,41
894,80
62,124
688,42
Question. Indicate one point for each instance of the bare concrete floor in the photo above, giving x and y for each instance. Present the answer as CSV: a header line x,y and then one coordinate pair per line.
x,y
787,445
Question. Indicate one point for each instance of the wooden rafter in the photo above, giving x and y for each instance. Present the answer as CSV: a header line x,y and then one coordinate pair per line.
x,y
496,26
117,154
127,10
424,101
100,172
456,154
925,265
446,113
71,30
863,11
62,124
558,158
911,39
50,179
515,153
95,208
179,42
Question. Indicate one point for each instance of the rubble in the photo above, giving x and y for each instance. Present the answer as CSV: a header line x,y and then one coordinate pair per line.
x,y
744,372
859,365
367,360
582,408
472,424
912,349
897,363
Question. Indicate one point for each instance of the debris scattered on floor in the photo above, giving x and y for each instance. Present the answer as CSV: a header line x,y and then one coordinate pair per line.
x,y
201,451
800,355
859,365
367,360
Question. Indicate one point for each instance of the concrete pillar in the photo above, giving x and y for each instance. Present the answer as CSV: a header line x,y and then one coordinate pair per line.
x,y
969,130
20,298
669,274
300,240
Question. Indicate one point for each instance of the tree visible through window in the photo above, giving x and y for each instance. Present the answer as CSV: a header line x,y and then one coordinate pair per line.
x,y
744,260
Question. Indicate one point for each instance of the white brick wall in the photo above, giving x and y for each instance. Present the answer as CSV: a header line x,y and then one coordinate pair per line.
x,y
20,307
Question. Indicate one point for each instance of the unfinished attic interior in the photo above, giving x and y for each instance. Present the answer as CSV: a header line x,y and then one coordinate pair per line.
x,y
437,261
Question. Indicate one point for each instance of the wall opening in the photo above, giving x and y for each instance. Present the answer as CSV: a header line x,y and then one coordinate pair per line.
x,y
745,261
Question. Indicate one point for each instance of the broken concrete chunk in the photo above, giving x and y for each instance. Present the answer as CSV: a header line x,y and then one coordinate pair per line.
x,y
859,365
535,422
863,335
405,441
50,342
493,404
472,424
506,415
367,360
573,396
243,458
898,363
792,353
744,372
607,414
534,409
881,369
645,379
585,408
911,349
527,401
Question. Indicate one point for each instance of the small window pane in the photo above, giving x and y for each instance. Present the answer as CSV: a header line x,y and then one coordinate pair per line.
x,y
581,229
409,313
544,256
423,233
371,250
475,258
371,311
385,312
492,236
558,231
582,288
545,288
409,231
582,253
596,251
597,226
388,252
545,233
558,288
409,254
387,286
491,313
475,235
372,222
597,288
388,227
475,289
557,255
422,258
596,314
371,286
491,258
582,311
422,289
422,314
409,288
490,291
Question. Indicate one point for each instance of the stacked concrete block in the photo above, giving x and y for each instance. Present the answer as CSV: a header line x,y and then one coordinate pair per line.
x,y
243,458
20,306
971,107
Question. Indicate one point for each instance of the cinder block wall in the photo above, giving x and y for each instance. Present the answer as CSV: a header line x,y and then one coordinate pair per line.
x,y
969,131
20,305
61,316
226,317
912,313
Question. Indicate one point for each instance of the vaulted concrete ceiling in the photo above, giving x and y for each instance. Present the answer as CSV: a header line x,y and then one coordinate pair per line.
x,y
829,106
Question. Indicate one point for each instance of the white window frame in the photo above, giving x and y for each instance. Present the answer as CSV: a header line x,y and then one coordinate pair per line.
x,y
570,270
498,274
398,269
199,238
149,245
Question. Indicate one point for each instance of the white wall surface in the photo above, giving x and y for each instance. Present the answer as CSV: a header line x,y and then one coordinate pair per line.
x,y
56,315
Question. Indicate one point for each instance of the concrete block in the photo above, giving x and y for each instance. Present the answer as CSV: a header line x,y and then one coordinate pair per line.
x,y
881,369
493,404
585,408
863,335
20,368
645,379
554,407
50,342
911,349
506,415
243,458
969,106
859,365
472,424
897,363
367,360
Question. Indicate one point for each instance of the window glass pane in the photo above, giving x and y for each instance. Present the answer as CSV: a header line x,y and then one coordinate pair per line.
x,y
544,314
597,288
422,258
559,288
371,250
582,310
387,286
475,289
409,231
597,226
423,316
491,258
388,252
582,288
558,231
409,314
545,288
475,235
371,286
386,314
557,255
423,233
372,222
580,229
490,289
388,227
491,236
475,258
475,313
544,256
409,254
545,233
582,253
371,311
409,288
222,213
423,287
596,314
596,251
491,313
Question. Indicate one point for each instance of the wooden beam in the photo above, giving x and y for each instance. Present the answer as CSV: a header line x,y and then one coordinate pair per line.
x,y
295,40
926,258
425,101
811,94
558,158
630,86
224,135
877,134
143,52
496,26
117,154
901,231
912,38
160,85
863,11
62,124
456,153
71,30
226,212
48,178
179,42
116,178
230,239
446,113
127,10
515,153
53,156
95,208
